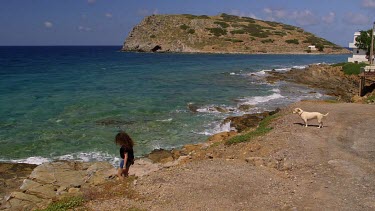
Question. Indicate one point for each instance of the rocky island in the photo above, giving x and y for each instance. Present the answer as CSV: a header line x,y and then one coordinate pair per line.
x,y
223,34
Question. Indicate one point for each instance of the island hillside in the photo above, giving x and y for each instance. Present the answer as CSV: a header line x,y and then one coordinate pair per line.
x,y
223,34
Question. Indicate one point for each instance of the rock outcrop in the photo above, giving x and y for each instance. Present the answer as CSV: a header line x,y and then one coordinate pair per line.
x,y
246,121
326,77
222,34
49,182
52,181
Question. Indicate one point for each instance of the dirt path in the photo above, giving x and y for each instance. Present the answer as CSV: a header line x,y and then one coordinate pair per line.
x,y
291,168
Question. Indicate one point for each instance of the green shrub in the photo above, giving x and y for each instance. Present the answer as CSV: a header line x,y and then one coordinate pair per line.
x,y
247,19
238,31
233,40
217,31
350,68
222,24
262,129
253,27
191,31
313,40
289,27
279,33
268,41
227,17
196,16
236,25
203,17
319,46
152,36
260,34
65,204
236,40
184,27
293,41
371,99
273,24
308,51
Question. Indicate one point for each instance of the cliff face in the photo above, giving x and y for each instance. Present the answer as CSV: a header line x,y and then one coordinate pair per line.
x,y
222,34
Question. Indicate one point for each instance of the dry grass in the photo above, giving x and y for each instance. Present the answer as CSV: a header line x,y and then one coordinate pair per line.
x,y
112,189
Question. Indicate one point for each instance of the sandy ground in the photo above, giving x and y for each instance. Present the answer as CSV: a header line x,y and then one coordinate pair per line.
x,y
291,168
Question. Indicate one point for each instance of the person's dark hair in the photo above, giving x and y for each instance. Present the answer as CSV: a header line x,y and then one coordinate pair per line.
x,y
123,138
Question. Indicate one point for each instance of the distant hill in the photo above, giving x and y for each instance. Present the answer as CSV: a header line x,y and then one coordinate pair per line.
x,y
222,34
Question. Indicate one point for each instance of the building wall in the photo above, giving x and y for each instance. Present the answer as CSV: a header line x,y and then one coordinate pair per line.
x,y
358,54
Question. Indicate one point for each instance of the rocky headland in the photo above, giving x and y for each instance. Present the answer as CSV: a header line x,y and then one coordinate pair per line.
x,y
289,168
223,34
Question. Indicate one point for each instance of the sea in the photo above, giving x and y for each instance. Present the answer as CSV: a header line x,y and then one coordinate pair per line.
x,y
69,102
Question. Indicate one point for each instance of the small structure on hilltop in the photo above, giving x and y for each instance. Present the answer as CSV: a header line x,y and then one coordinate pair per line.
x,y
359,55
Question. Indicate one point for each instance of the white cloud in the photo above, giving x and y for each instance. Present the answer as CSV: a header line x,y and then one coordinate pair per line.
x,y
84,28
330,18
267,10
368,3
356,19
243,14
48,24
304,18
274,14
91,1
108,15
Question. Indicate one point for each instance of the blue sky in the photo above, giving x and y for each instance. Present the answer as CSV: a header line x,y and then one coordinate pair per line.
x,y
108,22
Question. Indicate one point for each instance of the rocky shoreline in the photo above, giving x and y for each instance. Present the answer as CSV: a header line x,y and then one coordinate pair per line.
x,y
40,185
326,77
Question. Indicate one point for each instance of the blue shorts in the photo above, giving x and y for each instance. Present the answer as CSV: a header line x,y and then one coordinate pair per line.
x,y
127,164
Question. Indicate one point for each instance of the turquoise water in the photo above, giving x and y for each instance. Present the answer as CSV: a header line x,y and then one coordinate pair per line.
x,y
69,102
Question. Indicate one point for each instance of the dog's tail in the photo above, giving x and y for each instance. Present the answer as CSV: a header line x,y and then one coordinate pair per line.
x,y
326,114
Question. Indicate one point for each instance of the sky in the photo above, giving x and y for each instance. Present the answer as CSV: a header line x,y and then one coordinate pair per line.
x,y
108,22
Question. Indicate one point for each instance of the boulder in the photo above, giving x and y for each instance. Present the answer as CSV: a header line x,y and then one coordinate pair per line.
x,y
51,181
247,121
159,155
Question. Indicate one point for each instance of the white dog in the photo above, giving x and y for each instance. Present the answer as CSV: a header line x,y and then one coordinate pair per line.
x,y
310,115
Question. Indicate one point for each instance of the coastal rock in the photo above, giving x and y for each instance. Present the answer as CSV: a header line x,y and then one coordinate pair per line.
x,y
12,176
160,156
327,77
51,181
245,107
247,121
144,166
192,107
220,137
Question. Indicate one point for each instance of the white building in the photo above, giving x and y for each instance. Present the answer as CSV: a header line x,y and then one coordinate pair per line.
x,y
312,47
359,55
